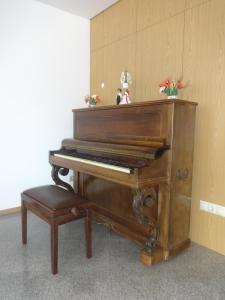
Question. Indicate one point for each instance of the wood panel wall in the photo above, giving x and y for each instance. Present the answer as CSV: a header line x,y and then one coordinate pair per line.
x,y
156,39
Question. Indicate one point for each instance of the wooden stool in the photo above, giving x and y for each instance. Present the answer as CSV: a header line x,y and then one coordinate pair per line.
x,y
56,206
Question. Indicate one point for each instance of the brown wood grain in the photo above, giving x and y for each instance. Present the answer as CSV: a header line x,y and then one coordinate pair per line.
x,y
150,12
159,56
97,74
40,201
193,3
118,57
197,53
204,65
119,21
97,32
168,178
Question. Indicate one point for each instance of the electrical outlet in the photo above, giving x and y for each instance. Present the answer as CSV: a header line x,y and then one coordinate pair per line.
x,y
212,208
71,178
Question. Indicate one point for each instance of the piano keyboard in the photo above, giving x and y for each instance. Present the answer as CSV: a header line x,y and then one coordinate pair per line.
x,y
95,163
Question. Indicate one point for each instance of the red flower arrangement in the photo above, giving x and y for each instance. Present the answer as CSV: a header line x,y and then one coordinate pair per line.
x,y
170,87
92,100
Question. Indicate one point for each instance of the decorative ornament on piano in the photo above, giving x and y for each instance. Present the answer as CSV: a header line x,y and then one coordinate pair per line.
x,y
170,88
125,79
119,96
56,170
125,97
92,100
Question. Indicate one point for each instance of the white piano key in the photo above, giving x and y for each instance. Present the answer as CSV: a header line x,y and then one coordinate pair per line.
x,y
95,163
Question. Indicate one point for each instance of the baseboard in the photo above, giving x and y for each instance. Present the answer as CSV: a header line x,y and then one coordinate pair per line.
x,y
10,211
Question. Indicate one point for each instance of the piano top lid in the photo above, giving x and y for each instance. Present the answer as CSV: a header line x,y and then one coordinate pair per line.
x,y
136,104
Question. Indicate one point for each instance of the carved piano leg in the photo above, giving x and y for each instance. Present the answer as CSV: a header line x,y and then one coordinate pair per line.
x,y
151,253
56,170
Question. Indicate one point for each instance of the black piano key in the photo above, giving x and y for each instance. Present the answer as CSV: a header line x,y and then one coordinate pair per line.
x,y
105,160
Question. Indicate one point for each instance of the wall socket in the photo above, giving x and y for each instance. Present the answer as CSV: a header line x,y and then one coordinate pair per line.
x,y
71,178
212,208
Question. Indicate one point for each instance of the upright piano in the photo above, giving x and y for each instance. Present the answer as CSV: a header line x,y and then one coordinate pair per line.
x,y
134,162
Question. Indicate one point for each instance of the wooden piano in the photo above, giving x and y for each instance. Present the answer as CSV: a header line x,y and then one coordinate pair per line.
x,y
135,163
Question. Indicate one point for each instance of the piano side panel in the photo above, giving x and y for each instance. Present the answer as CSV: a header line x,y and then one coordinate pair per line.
x,y
181,175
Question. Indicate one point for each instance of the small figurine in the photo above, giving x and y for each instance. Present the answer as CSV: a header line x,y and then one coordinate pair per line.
x,y
125,79
118,96
126,98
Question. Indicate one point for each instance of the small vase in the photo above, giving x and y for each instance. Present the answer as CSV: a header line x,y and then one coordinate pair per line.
x,y
172,97
91,105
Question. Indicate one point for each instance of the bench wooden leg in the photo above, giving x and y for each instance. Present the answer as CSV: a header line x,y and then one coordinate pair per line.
x,y
88,233
54,248
24,222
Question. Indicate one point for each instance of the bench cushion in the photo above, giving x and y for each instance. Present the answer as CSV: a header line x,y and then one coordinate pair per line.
x,y
54,197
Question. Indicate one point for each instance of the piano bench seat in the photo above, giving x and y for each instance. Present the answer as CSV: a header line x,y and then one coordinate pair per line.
x,y
56,206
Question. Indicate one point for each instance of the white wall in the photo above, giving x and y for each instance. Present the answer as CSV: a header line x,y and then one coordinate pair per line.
x,y
44,73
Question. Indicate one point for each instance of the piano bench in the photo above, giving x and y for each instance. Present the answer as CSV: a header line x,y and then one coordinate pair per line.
x,y
56,206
